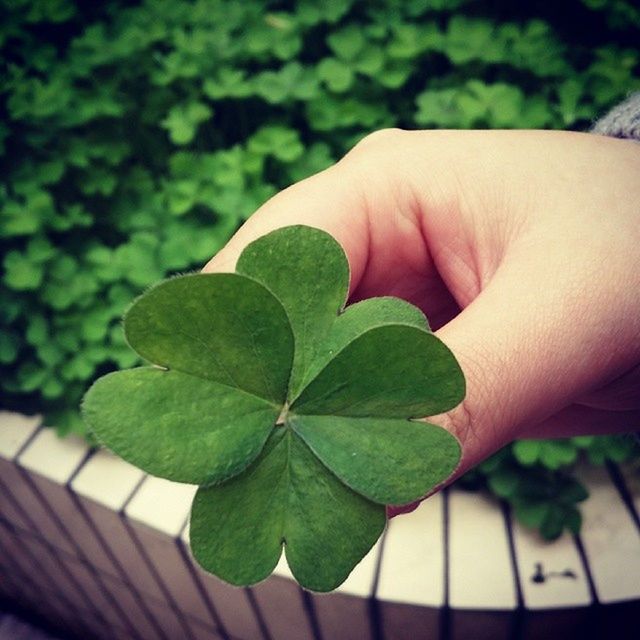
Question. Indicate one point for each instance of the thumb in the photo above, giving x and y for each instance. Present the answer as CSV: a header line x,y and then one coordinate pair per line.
x,y
532,342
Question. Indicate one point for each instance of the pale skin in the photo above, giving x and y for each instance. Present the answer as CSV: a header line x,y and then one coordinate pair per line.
x,y
523,250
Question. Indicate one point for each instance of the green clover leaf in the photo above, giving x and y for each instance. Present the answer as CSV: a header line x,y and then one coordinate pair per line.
x,y
298,419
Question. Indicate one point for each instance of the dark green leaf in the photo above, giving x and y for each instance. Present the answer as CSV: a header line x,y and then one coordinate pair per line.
x,y
178,426
312,297
553,523
287,496
358,318
573,520
220,327
388,461
532,514
9,346
505,483
368,377
573,491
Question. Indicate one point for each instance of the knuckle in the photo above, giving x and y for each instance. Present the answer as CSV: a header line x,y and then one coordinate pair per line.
x,y
381,141
460,421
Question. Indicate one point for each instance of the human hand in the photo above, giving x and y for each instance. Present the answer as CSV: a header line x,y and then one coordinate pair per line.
x,y
523,250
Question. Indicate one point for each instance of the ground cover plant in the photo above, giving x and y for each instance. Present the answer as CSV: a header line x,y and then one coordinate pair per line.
x,y
135,137
292,413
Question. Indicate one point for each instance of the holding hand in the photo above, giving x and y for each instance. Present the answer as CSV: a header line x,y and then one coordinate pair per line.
x,y
523,250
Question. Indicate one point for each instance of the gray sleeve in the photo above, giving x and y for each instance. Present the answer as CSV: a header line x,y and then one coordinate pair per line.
x,y
622,121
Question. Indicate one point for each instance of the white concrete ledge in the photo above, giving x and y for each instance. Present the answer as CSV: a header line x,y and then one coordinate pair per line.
x,y
101,549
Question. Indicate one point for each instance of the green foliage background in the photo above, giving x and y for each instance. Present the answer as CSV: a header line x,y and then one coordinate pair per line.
x,y
135,137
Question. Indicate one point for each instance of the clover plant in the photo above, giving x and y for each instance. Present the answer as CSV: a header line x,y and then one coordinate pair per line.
x,y
297,417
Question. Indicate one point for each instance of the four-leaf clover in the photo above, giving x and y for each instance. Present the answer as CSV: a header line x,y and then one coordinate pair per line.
x,y
296,417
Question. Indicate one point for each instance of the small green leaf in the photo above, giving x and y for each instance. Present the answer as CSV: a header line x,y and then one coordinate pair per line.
x,y
78,367
496,462
227,82
347,42
583,442
292,81
335,74
467,39
331,112
369,61
504,482
557,453
182,195
182,121
68,421
31,376
50,354
39,249
9,346
527,452
439,107
22,274
395,74
280,142
614,448
37,330
52,388
410,40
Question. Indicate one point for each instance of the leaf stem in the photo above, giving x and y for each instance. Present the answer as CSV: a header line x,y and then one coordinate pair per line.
x,y
283,415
